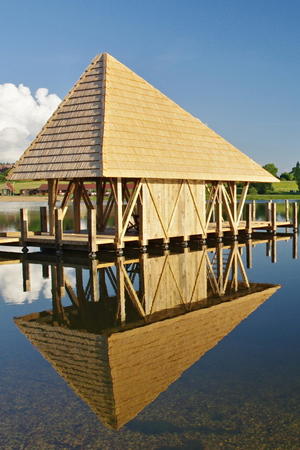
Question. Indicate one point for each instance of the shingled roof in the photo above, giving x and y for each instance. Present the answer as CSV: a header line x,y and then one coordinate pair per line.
x,y
114,124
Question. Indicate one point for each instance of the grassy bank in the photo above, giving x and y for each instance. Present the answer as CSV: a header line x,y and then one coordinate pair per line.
x,y
281,196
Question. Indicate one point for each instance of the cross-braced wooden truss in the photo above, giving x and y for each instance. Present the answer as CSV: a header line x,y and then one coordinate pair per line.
x,y
150,209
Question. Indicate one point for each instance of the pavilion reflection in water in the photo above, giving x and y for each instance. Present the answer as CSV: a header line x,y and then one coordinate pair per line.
x,y
135,325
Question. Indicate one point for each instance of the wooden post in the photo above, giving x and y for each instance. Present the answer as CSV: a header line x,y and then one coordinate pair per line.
x,y
24,225
235,273
143,232
95,293
58,226
121,290
52,196
219,223
273,218
253,210
118,214
295,245
268,249
295,216
26,275
44,219
287,210
92,231
45,271
76,207
274,249
249,216
60,279
249,254
58,310
220,271
269,206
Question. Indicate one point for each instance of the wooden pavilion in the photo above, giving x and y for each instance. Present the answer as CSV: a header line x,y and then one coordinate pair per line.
x,y
160,172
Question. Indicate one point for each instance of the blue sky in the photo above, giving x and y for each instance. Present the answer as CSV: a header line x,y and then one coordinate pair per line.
x,y
235,64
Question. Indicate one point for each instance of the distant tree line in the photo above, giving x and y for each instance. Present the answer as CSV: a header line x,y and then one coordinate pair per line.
x,y
263,188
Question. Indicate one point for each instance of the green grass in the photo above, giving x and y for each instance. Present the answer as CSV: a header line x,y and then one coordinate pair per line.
x,y
23,185
285,186
279,196
282,190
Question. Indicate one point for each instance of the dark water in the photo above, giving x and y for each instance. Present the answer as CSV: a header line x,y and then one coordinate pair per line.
x,y
207,369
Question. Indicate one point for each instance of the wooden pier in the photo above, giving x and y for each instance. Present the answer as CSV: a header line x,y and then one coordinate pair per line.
x,y
92,241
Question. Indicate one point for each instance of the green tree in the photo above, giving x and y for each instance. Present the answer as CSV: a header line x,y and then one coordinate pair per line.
x,y
263,188
296,172
287,176
270,167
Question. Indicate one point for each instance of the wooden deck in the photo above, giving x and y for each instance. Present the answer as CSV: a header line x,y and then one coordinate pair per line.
x,y
80,241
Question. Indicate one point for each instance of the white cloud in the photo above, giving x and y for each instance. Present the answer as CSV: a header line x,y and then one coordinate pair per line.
x,y
11,287
22,115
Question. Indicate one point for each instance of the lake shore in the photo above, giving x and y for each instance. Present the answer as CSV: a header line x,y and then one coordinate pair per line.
x,y
23,198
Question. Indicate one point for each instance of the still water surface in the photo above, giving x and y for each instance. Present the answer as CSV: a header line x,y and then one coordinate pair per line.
x,y
149,346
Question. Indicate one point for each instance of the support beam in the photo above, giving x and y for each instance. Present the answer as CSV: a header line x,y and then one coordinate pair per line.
x,y
219,215
118,213
242,203
44,219
76,207
67,196
52,198
249,217
141,213
100,192
58,227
